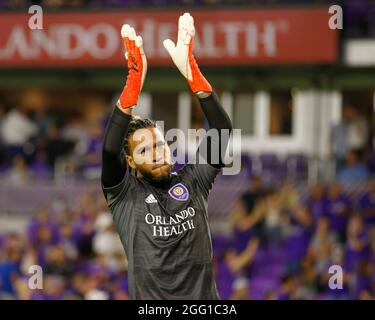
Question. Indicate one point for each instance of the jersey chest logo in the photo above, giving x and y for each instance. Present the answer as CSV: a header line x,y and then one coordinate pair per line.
x,y
179,192
151,199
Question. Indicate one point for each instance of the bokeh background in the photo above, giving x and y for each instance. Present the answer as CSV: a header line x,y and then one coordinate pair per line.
x,y
302,94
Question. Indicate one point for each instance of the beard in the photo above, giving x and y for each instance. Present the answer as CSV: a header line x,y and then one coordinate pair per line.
x,y
160,179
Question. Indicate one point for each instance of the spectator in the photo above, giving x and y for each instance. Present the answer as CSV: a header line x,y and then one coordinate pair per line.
x,y
316,202
353,171
75,132
339,141
287,288
296,238
39,167
357,246
321,246
106,242
54,288
10,264
42,120
358,131
17,130
233,265
66,241
274,220
247,214
22,290
40,219
95,294
349,134
19,173
91,160
56,146
241,289
85,232
251,196
308,277
289,197
238,262
120,294
361,281
366,295
366,205
338,209
57,262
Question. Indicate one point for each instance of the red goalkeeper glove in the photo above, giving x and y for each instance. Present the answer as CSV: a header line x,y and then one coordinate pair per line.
x,y
182,55
137,65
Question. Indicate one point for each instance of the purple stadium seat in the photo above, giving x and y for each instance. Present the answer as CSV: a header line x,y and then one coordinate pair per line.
x,y
269,161
220,244
224,281
297,244
261,285
272,170
247,164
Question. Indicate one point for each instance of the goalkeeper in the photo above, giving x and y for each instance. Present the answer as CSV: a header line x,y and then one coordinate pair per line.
x,y
161,217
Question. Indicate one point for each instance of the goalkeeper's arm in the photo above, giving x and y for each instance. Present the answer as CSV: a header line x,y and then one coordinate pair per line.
x,y
113,163
183,57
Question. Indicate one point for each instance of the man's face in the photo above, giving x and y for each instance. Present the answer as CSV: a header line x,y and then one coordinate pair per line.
x,y
151,156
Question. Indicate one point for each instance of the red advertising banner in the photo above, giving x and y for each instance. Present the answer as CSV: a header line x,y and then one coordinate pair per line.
x,y
230,37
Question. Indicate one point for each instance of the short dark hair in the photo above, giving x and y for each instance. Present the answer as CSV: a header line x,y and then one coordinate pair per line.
x,y
135,124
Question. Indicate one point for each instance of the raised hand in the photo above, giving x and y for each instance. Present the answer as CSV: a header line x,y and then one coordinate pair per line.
x,y
137,65
182,55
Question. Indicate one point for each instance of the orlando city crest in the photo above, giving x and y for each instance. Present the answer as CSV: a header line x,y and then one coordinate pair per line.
x,y
179,192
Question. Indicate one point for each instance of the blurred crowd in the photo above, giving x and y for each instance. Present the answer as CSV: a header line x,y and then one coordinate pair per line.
x,y
282,247
40,144
34,142
75,244
351,149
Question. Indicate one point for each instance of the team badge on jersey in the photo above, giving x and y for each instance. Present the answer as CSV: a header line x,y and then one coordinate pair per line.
x,y
179,192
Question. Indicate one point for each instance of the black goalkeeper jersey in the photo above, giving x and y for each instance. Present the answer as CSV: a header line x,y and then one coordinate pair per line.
x,y
166,235
164,229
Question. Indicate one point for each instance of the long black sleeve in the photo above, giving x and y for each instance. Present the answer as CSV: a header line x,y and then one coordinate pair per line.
x,y
113,164
217,119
